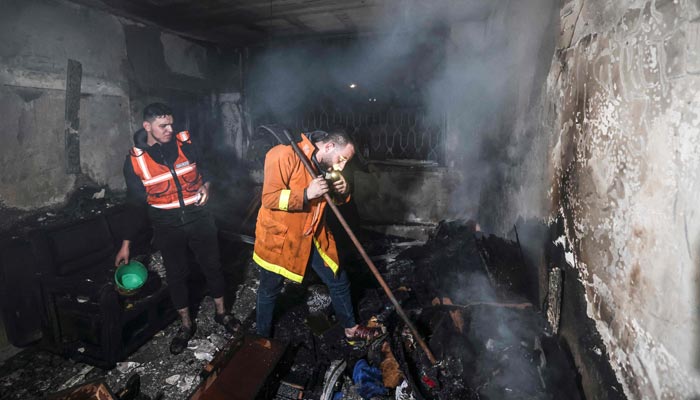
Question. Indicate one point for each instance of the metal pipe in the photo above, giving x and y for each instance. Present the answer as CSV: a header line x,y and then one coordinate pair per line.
x,y
364,255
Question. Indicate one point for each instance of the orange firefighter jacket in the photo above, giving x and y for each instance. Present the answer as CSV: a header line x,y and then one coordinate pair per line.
x,y
160,180
286,230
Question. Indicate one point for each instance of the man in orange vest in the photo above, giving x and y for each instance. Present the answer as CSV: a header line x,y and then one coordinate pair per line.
x,y
291,232
163,170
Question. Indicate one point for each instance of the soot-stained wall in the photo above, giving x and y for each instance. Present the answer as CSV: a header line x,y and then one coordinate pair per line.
x,y
626,156
497,58
615,156
125,66
595,131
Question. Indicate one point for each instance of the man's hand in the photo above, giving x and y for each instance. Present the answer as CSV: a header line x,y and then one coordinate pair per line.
x,y
203,192
123,254
341,186
317,188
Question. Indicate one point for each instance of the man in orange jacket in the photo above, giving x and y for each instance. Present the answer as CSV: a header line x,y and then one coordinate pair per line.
x,y
291,232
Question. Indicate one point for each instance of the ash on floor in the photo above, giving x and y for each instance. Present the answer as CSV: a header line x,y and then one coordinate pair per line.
x,y
491,343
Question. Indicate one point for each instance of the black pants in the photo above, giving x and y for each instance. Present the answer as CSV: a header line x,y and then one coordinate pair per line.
x,y
199,235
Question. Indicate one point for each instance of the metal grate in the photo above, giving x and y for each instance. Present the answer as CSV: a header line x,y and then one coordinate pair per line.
x,y
394,134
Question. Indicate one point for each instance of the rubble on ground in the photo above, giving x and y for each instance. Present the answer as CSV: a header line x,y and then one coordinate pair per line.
x,y
491,342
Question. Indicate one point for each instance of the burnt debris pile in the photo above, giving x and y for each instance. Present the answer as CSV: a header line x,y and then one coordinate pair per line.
x,y
490,341
469,301
467,294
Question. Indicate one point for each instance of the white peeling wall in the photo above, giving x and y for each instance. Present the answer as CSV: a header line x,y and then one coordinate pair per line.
x,y
624,101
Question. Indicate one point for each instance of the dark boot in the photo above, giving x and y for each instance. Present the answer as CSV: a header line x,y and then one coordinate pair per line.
x,y
181,338
229,322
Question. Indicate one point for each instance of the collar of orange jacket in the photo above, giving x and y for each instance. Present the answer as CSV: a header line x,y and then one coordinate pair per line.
x,y
309,148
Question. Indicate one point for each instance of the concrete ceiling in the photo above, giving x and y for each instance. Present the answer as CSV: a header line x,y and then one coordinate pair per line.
x,y
248,22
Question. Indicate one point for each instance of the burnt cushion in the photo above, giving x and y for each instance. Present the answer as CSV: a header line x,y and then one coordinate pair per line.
x,y
81,246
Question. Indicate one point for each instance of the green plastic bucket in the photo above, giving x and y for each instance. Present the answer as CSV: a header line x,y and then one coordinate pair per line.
x,y
131,276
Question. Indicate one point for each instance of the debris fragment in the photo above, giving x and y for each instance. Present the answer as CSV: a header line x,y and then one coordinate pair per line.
x,y
186,383
203,349
368,380
490,344
403,392
428,381
217,340
92,390
318,298
457,319
554,294
391,371
172,380
331,377
126,366
289,390
155,264
77,378
99,195
131,389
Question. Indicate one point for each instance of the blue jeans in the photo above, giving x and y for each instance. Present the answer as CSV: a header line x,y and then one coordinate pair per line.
x,y
271,286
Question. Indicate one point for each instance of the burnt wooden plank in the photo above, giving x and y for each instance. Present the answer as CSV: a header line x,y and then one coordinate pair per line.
x,y
554,296
72,120
95,390
247,372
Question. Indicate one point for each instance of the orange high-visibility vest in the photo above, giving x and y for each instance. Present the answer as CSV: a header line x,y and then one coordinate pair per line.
x,y
159,179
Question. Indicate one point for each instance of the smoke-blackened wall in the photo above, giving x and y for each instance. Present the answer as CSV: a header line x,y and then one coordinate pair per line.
x,y
393,69
622,101
125,66
496,64
608,148
475,66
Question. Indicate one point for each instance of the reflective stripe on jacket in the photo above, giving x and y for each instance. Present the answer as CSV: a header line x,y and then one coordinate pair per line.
x,y
285,230
162,190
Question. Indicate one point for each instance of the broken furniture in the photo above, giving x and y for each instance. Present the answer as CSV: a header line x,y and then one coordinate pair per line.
x,y
20,295
242,371
84,317
96,390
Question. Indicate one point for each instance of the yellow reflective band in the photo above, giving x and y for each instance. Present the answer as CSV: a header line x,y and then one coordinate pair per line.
x,y
277,269
329,261
167,175
284,200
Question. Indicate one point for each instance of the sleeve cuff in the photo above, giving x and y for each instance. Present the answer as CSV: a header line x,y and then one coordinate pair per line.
x,y
284,199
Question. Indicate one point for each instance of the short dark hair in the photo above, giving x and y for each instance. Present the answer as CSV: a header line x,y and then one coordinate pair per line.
x,y
155,110
337,136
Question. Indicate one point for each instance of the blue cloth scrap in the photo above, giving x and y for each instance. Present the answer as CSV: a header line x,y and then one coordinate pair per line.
x,y
368,380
